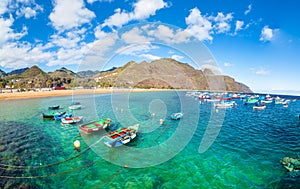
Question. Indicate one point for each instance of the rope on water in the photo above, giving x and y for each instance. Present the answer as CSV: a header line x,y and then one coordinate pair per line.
x,y
161,133
7,167
49,175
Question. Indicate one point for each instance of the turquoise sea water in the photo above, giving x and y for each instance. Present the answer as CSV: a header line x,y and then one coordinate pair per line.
x,y
246,152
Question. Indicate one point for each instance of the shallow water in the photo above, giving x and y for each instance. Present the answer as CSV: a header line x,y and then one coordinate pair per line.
x,y
245,154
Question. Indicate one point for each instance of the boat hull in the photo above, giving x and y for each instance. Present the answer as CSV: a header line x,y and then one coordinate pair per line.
x,y
71,120
121,136
95,126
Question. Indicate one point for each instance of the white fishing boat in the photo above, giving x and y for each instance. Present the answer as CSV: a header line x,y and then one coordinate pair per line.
x,y
261,107
71,120
225,105
75,107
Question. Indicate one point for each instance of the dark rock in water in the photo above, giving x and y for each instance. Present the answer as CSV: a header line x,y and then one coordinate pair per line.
x,y
17,145
25,186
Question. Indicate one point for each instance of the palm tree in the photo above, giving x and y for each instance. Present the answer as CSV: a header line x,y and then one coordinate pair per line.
x,y
11,84
48,83
21,86
1,86
40,84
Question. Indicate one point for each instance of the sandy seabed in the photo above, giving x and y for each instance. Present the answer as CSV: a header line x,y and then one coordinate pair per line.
x,y
41,94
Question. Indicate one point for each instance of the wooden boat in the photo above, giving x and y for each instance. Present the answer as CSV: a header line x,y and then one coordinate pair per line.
x,y
52,114
55,107
226,105
95,126
251,100
71,120
261,107
58,117
121,136
267,101
75,107
176,116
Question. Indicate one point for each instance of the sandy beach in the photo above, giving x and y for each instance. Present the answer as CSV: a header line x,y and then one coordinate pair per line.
x,y
41,94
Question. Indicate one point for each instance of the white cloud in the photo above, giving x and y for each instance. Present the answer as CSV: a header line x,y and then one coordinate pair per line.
x,y
136,49
177,57
167,34
222,22
27,55
266,34
29,12
150,57
143,9
248,10
65,42
118,19
260,71
198,26
238,26
7,33
209,61
227,64
214,68
99,34
93,1
68,14
3,6
135,36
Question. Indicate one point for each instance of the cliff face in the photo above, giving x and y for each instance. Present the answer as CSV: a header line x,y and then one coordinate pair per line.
x,y
168,73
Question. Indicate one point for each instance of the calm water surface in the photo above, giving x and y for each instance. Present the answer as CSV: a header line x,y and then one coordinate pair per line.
x,y
245,154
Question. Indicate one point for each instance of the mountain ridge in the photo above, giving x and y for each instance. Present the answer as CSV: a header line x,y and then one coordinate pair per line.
x,y
163,73
168,73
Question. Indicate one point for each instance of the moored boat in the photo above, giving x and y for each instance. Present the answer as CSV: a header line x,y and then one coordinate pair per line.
x,y
269,101
225,104
52,114
95,126
58,117
55,107
75,107
121,136
71,120
176,116
251,100
260,107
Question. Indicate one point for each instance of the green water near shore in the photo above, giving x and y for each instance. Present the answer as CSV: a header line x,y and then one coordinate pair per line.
x,y
245,154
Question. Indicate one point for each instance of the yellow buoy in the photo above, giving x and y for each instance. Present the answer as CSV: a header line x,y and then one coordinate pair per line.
x,y
76,144
217,110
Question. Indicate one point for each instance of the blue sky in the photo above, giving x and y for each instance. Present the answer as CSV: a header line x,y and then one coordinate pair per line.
x,y
256,42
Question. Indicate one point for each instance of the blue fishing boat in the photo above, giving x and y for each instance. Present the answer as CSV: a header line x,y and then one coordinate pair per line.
x,y
58,117
121,136
176,116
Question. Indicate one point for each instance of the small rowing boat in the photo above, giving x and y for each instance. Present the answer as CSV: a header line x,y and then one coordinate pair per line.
x,y
121,136
261,107
71,120
176,116
95,126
